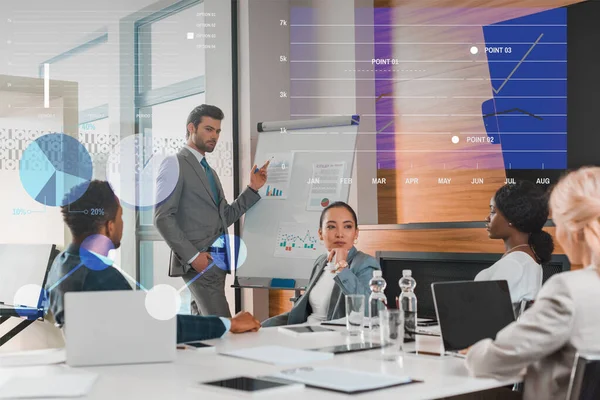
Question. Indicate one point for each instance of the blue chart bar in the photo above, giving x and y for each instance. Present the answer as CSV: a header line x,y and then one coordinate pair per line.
x,y
527,59
272,192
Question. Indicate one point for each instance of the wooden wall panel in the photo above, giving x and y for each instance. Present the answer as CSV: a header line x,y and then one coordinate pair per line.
x,y
437,94
471,240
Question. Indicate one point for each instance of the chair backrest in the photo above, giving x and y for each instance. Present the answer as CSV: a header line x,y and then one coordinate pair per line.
x,y
585,377
552,268
523,306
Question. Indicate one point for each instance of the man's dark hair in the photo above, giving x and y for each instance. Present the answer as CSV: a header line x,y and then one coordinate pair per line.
x,y
525,205
94,208
203,110
338,204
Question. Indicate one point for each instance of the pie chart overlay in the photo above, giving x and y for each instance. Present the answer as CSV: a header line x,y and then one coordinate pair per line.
x,y
52,166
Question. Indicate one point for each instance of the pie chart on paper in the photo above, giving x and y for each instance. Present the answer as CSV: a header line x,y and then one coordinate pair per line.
x,y
52,166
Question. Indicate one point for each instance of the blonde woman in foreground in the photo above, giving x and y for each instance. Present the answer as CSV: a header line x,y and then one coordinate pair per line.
x,y
565,317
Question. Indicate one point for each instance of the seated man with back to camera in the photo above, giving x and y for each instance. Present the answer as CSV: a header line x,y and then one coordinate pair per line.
x,y
97,234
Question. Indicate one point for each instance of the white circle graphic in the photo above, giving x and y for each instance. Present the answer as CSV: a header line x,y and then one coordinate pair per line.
x,y
163,302
28,295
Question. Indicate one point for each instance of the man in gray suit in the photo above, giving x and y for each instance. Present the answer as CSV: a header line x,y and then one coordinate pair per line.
x,y
193,219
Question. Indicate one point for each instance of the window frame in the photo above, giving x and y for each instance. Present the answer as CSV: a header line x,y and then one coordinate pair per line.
x,y
98,38
145,98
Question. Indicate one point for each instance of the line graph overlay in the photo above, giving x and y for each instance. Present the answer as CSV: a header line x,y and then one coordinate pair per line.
x,y
518,65
542,104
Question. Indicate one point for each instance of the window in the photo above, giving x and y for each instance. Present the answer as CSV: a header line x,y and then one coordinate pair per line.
x,y
157,252
171,48
90,66
98,141
167,121
170,83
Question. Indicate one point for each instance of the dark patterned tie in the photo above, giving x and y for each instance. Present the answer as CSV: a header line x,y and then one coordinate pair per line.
x,y
211,180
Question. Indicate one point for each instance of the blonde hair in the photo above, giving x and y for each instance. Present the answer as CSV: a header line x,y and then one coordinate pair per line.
x,y
575,204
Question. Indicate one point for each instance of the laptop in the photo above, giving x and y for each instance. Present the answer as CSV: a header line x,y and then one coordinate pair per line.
x,y
114,327
22,290
471,311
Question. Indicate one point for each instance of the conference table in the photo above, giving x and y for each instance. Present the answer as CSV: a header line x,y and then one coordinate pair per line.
x,y
442,376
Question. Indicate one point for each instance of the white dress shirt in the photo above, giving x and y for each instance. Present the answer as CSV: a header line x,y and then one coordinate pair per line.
x,y
199,156
523,274
320,296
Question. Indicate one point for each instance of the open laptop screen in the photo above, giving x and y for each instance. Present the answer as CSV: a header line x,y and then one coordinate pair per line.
x,y
471,311
22,268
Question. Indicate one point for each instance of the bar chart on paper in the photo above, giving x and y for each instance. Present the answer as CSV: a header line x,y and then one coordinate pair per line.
x,y
297,241
273,192
279,176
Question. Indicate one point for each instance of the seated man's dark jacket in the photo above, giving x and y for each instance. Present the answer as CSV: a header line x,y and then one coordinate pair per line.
x,y
83,279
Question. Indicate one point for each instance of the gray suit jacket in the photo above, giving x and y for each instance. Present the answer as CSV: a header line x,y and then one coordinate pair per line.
x,y
564,319
190,220
352,280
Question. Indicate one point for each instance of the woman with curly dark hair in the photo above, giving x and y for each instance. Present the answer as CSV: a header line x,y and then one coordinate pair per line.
x,y
518,213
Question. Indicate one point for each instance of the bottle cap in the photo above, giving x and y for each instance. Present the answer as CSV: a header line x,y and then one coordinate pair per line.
x,y
377,273
406,272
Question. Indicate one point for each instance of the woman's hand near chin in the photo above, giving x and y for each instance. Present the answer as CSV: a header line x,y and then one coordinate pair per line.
x,y
339,253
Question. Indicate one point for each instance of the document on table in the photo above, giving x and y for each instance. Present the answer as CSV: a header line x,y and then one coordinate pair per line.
x,y
279,355
33,357
45,382
341,379
342,322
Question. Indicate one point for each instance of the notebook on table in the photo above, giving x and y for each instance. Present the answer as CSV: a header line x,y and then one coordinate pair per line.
x,y
341,379
279,355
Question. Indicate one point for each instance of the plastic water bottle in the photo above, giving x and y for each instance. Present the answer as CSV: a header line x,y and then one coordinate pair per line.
x,y
377,299
408,302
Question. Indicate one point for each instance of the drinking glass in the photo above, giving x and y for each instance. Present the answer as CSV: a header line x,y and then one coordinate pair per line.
x,y
355,314
391,334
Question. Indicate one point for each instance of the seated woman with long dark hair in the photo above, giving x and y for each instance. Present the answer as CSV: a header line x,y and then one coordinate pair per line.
x,y
350,274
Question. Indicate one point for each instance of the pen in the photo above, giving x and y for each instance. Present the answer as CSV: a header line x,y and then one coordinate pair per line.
x,y
257,169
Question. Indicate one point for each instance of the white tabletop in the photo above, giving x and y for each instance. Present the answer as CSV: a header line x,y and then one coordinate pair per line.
x,y
441,376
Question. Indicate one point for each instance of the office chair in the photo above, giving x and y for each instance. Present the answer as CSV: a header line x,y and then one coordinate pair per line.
x,y
585,377
523,306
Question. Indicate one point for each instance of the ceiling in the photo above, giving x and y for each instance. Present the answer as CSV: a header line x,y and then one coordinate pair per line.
x,y
33,32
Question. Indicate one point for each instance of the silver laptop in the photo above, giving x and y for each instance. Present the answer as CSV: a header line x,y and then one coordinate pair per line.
x,y
114,327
